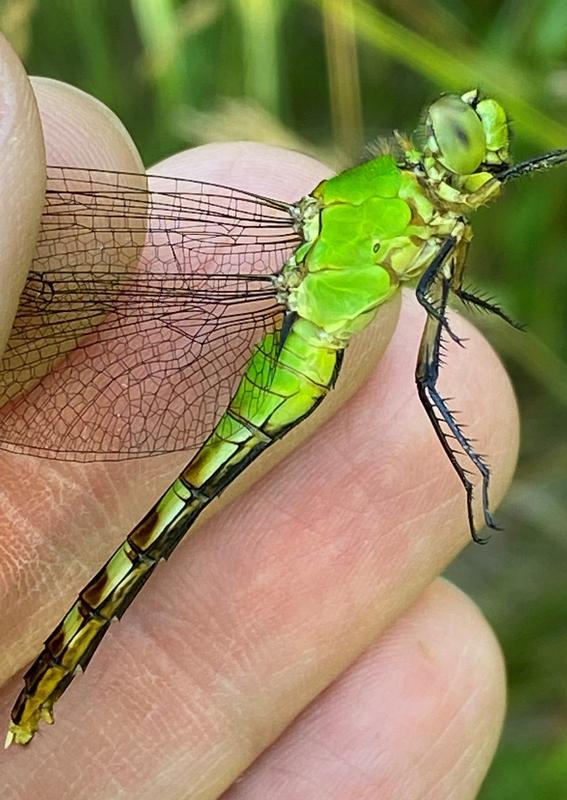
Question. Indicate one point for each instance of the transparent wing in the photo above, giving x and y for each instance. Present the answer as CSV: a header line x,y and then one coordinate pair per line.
x,y
144,302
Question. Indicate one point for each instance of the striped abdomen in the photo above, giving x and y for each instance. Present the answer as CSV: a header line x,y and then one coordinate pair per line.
x,y
282,385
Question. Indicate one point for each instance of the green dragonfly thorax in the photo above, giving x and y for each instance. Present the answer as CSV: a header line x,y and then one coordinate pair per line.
x,y
380,223
365,231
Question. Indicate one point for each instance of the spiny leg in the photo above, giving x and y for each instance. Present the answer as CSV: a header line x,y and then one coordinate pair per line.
x,y
468,296
485,304
435,287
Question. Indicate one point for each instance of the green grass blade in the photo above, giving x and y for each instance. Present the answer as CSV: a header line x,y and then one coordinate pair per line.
x,y
469,69
260,22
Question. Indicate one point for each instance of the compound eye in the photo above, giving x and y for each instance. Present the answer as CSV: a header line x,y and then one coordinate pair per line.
x,y
458,133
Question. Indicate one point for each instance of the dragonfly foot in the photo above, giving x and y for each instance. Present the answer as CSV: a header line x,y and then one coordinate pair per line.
x,y
490,522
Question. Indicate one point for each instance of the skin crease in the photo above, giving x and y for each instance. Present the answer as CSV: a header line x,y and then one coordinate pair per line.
x,y
324,570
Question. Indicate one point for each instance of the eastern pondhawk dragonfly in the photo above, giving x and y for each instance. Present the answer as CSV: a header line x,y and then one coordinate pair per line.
x,y
163,314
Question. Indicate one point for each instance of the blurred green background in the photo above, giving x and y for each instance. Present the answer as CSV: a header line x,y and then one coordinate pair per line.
x,y
325,76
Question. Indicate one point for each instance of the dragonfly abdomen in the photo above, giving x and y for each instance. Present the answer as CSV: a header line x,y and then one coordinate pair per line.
x,y
282,385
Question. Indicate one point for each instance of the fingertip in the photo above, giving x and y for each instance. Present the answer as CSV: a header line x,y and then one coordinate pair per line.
x,y
419,714
23,180
457,628
454,661
80,131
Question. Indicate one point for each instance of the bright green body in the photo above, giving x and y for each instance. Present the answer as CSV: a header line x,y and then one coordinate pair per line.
x,y
363,233
357,229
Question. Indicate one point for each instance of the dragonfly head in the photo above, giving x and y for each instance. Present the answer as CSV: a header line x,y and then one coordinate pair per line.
x,y
465,146
467,134
465,150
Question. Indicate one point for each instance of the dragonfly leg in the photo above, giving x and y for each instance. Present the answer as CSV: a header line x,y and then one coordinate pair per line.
x,y
485,304
426,283
436,285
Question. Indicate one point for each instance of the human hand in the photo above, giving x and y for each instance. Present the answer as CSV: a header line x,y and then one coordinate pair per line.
x,y
325,570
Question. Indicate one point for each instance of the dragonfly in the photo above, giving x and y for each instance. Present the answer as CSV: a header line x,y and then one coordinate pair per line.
x,y
165,315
